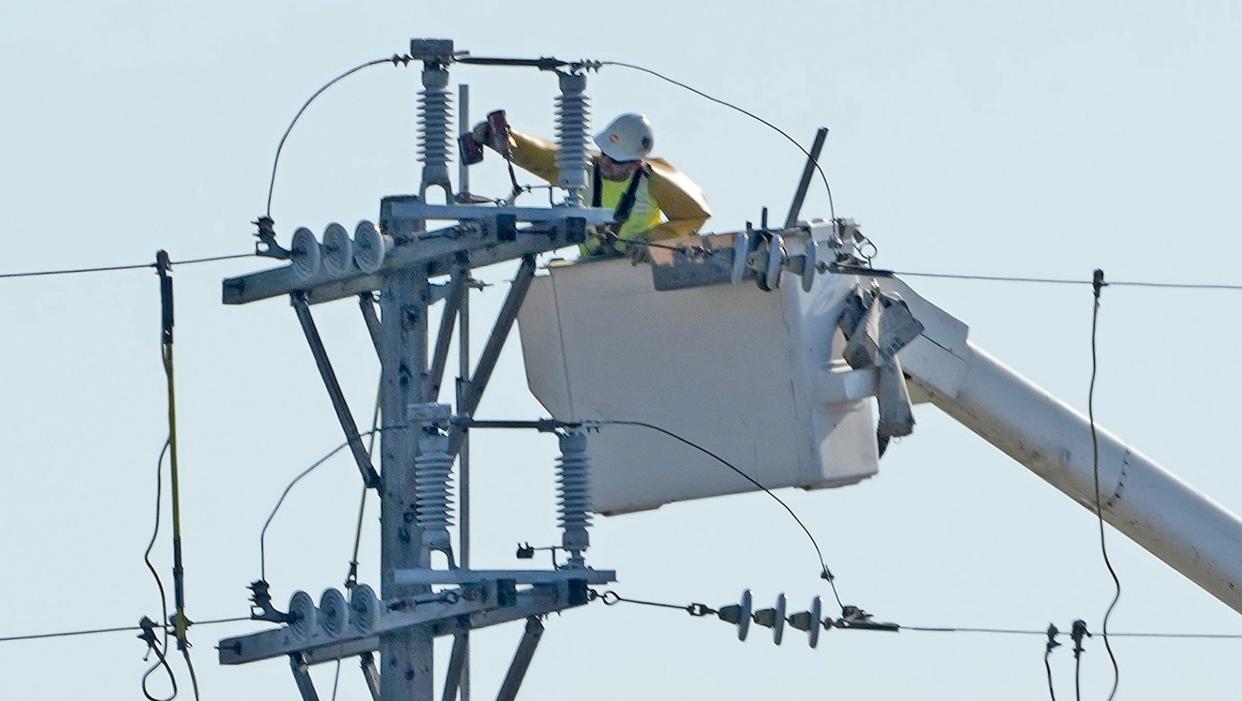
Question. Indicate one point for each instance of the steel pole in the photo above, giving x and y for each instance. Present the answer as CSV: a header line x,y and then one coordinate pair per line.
x,y
406,655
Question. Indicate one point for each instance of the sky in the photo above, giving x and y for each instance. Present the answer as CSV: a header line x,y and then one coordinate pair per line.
x,y
982,138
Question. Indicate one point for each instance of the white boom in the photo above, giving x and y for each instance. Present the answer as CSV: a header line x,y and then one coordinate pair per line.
x,y
1173,521
760,377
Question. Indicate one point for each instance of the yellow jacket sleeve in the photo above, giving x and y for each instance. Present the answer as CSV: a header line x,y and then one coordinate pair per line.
x,y
534,154
680,199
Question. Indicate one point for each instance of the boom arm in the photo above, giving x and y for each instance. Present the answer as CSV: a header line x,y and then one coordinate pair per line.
x,y
1173,521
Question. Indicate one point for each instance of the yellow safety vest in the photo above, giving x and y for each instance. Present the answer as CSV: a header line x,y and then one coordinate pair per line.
x,y
643,216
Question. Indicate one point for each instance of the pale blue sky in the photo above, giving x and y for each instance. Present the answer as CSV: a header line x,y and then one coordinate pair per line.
x,y
1018,138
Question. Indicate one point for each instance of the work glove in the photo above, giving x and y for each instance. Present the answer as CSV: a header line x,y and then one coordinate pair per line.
x,y
497,141
482,133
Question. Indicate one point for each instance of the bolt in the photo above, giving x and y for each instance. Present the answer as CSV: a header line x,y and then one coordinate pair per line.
x,y
409,674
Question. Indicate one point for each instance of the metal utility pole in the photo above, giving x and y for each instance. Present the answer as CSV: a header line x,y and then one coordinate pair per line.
x,y
419,598
406,654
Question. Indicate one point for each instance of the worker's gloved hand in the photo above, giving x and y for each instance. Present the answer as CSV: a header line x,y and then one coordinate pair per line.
x,y
486,134
482,133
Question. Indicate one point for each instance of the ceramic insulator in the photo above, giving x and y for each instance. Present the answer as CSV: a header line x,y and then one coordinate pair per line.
x,y
573,123
432,493
434,113
573,475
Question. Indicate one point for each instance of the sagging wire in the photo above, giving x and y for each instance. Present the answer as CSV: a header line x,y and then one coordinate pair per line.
x,y
831,206
1097,284
159,584
395,59
148,636
290,486
825,573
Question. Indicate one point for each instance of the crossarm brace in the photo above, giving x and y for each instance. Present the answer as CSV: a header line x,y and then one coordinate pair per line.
x,y
369,476
521,660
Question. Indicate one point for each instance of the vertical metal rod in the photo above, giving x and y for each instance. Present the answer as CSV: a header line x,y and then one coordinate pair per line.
x,y
808,171
301,677
452,676
463,466
367,661
366,302
162,267
495,343
405,655
343,414
448,318
463,127
521,660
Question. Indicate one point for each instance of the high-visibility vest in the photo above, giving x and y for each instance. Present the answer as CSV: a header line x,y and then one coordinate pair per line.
x,y
635,211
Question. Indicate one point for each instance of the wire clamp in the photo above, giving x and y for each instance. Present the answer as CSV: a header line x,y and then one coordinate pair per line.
x,y
266,245
700,610
261,608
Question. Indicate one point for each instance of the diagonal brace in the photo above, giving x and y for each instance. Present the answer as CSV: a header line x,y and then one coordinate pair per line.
x,y
521,660
366,302
370,674
448,320
457,663
472,393
369,476
301,676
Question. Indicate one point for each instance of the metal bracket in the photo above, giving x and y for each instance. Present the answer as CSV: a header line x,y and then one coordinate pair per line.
x,y
369,476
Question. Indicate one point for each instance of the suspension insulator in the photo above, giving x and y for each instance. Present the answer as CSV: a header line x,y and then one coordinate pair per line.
x,y
573,124
434,113
573,474
432,491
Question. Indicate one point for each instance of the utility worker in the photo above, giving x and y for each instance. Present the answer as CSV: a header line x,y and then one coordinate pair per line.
x,y
650,198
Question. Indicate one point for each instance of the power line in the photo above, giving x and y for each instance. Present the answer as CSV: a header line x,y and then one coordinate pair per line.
x,y
159,584
882,273
831,206
114,629
114,268
1097,284
289,487
394,60
825,573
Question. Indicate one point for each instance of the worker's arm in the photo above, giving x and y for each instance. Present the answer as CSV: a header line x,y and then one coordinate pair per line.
x,y
682,201
534,154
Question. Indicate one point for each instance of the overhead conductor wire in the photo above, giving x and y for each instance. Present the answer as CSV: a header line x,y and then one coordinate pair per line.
x,y
825,573
1097,284
279,502
831,206
114,268
395,59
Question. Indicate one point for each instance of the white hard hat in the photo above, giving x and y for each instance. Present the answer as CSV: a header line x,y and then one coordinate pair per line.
x,y
626,138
